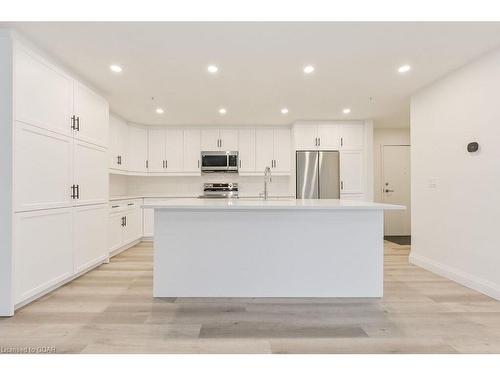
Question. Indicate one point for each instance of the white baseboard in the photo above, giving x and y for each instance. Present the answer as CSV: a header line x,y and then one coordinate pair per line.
x,y
123,248
470,281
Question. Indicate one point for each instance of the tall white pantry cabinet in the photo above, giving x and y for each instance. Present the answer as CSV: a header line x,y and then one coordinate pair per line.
x,y
60,176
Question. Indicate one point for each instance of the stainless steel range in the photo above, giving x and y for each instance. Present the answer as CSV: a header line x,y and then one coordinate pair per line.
x,y
220,190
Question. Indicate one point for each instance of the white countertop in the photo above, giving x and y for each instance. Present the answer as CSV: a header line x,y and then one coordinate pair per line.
x,y
196,204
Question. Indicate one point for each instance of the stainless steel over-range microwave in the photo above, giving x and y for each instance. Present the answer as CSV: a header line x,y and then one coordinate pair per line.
x,y
219,161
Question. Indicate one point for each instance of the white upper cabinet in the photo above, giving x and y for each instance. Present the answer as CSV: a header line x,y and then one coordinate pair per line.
x,y
351,172
91,173
328,137
137,149
306,137
246,143
317,137
92,115
156,150
223,139
228,139
273,150
43,165
210,139
282,150
192,139
351,136
118,144
264,148
174,150
43,94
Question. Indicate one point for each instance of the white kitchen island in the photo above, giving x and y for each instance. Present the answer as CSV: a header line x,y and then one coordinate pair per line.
x,y
273,248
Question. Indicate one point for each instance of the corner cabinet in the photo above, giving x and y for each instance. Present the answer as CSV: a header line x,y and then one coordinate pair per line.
x,y
125,224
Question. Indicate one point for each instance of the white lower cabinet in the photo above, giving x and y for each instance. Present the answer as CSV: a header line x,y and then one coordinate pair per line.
x,y
124,224
90,236
53,245
43,256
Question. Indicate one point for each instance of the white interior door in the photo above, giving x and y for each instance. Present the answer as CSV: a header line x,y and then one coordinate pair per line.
x,y
396,188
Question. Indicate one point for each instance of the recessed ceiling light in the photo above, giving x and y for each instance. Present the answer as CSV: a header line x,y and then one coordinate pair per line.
x,y
284,111
308,69
115,68
212,69
404,68
222,111
160,111
346,111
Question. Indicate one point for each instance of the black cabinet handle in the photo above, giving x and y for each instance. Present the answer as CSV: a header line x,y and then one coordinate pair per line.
x,y
78,123
147,164
73,196
125,220
341,185
341,141
130,204
115,206
166,163
77,191
73,122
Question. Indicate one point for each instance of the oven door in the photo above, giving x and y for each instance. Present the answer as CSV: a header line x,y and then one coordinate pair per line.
x,y
214,161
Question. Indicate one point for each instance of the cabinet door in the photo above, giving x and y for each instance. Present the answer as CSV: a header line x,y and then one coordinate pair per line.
x,y
91,173
91,236
43,250
210,139
246,155
328,137
305,137
115,231
93,114
43,94
351,136
118,138
133,226
156,150
148,222
43,169
264,148
174,150
228,139
282,150
351,172
137,149
192,150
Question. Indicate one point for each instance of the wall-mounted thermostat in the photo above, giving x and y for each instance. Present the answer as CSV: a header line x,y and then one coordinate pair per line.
x,y
473,147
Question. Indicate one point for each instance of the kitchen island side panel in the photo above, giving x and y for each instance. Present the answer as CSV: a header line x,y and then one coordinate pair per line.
x,y
268,253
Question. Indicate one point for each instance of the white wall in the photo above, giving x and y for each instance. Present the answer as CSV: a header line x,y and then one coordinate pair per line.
x,y
456,194
6,300
385,136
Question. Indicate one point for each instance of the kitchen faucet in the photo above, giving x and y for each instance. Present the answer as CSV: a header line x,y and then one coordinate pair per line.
x,y
267,179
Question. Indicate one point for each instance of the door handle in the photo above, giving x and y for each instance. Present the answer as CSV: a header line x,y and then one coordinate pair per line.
x,y
389,191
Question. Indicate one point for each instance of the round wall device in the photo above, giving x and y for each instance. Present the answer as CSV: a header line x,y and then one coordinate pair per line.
x,y
473,147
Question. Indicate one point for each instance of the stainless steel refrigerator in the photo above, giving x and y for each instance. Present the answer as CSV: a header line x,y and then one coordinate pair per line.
x,y
317,175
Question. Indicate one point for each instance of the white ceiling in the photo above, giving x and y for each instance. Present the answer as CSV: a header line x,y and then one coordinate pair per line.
x,y
260,67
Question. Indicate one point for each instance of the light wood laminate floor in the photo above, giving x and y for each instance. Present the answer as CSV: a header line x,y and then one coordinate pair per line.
x,y
110,310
